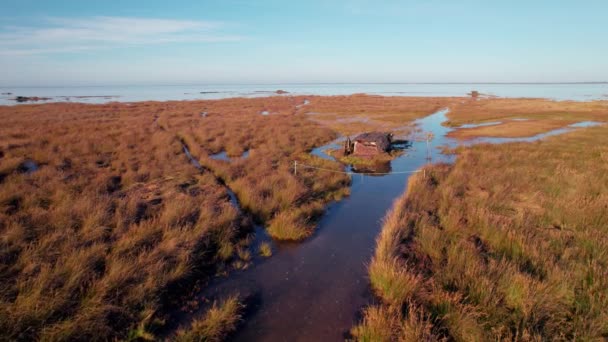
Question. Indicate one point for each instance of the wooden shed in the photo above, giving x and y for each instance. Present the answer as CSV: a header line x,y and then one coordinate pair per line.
x,y
369,144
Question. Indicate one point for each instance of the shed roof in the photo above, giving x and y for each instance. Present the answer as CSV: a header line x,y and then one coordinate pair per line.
x,y
381,139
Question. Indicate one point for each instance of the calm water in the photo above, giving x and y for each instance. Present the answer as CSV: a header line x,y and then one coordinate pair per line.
x,y
103,94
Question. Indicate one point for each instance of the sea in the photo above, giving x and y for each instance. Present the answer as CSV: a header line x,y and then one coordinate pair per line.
x,y
105,94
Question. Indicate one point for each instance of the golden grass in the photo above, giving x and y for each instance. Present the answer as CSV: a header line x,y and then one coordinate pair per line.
x,y
387,323
508,244
393,281
115,217
217,322
541,116
265,249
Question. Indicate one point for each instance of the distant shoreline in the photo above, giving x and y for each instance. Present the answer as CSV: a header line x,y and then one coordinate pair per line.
x,y
297,83
579,91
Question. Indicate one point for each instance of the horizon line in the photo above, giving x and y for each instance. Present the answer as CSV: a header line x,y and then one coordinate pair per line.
x,y
304,83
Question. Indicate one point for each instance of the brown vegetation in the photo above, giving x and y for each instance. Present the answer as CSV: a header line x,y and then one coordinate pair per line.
x,y
104,220
218,322
113,221
507,244
264,182
511,129
543,115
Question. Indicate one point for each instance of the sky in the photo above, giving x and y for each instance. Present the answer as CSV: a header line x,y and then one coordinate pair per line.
x,y
67,43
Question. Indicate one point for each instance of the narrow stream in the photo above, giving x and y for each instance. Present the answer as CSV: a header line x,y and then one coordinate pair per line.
x,y
225,157
314,290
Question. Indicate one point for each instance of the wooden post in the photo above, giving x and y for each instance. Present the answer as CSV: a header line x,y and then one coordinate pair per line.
x,y
295,167
428,147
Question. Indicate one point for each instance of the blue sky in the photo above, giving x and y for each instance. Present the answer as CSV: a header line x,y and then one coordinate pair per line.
x,y
47,43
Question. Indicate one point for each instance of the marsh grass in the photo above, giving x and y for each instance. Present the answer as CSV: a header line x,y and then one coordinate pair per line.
x,y
220,320
117,221
388,323
114,219
264,183
265,249
393,281
542,114
506,244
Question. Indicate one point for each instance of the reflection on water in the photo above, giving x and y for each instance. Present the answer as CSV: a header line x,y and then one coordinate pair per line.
x,y
193,160
586,124
28,166
494,123
224,156
377,169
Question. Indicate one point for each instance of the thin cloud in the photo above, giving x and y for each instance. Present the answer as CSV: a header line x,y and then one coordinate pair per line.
x,y
72,35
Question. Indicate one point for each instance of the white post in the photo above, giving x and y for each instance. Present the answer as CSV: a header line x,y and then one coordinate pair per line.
x,y
295,167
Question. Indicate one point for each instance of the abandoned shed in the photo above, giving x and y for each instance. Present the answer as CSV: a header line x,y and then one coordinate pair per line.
x,y
369,144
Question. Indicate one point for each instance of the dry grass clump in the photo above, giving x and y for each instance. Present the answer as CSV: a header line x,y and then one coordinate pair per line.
x,y
388,323
265,249
508,243
392,280
216,323
296,223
